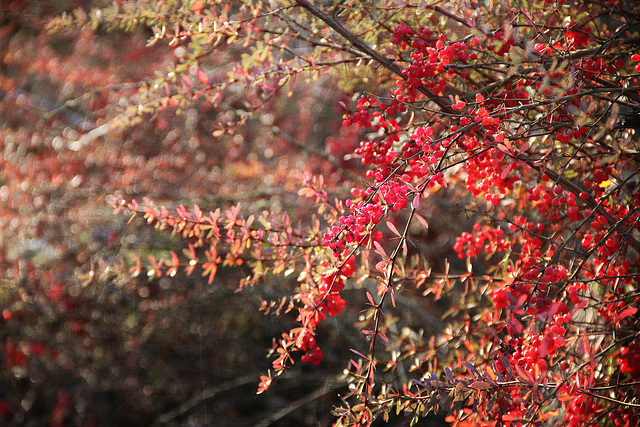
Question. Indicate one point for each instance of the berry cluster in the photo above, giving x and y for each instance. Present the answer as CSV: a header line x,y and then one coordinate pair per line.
x,y
582,411
636,58
432,59
578,36
353,227
489,240
630,359
318,302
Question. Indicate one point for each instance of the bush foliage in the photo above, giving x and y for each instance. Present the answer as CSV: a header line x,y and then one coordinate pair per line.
x,y
435,204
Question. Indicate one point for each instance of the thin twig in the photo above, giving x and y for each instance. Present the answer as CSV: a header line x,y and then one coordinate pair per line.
x,y
205,394
278,415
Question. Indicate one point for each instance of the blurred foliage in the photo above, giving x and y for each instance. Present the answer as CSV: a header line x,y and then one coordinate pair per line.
x,y
81,348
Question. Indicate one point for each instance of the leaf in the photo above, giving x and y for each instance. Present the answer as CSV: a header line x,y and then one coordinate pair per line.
x,y
203,77
506,148
492,401
393,229
216,98
211,272
583,345
506,364
420,383
494,334
550,414
449,374
629,311
430,404
511,417
472,369
582,304
524,148
416,202
370,298
358,353
480,385
187,83
422,221
524,375
382,265
380,249
505,172
400,405
384,337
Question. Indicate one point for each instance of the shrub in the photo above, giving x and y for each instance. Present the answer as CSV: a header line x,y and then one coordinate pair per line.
x,y
498,179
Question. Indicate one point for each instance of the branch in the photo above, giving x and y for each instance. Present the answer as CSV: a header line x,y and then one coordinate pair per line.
x,y
278,415
365,48
610,399
570,186
205,394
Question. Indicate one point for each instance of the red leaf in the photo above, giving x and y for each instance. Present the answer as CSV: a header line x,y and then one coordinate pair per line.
x,y
393,229
505,172
584,347
384,337
524,375
629,311
358,353
382,265
416,202
370,298
422,221
186,82
380,249
203,77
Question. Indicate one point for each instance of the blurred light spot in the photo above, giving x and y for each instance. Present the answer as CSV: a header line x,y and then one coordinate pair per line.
x,y
267,119
180,52
76,181
57,143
